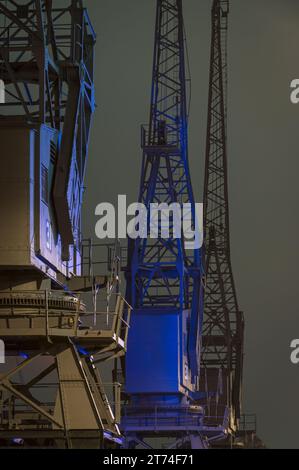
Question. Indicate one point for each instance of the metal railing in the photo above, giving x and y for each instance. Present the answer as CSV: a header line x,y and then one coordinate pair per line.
x,y
156,417
100,258
248,423
112,313
175,417
170,138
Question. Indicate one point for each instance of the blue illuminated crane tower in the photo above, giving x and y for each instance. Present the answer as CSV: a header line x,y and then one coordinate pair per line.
x,y
164,277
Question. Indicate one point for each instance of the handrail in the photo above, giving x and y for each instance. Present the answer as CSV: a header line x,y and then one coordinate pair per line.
x,y
44,309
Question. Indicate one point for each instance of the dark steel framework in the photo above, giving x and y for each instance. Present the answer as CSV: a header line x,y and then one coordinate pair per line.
x,y
46,63
222,348
162,274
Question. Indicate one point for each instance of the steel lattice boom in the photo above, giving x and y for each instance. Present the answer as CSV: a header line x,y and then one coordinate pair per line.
x,y
162,274
222,352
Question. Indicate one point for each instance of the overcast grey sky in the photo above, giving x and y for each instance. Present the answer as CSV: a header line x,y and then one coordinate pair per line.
x,y
263,168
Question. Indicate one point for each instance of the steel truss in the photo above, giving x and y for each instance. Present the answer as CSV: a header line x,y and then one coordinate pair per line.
x,y
51,392
162,274
222,348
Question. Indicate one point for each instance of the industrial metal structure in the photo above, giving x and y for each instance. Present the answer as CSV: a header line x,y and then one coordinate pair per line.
x,y
222,344
51,392
174,390
164,276
183,363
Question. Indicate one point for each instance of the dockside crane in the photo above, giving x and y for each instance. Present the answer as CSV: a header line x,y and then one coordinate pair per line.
x,y
51,391
164,279
223,325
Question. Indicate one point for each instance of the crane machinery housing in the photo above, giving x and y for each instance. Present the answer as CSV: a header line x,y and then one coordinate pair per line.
x,y
51,392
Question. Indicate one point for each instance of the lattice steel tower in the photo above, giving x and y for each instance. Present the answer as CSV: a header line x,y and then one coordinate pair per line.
x,y
164,275
222,348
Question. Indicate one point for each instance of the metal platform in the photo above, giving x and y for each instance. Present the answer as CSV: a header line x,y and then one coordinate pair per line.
x,y
54,385
175,422
163,147
43,317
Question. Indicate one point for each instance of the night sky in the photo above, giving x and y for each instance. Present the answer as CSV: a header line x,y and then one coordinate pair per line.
x,y
263,168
